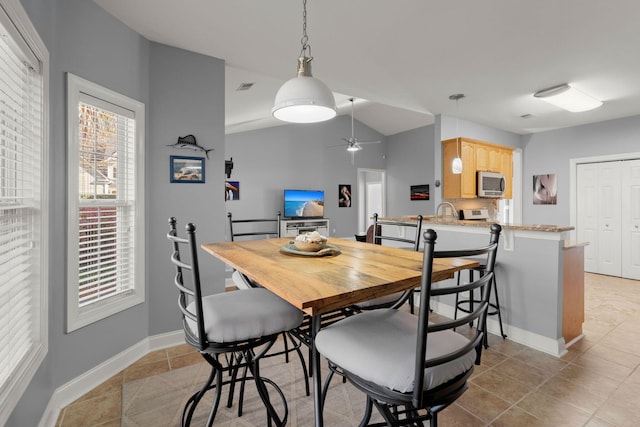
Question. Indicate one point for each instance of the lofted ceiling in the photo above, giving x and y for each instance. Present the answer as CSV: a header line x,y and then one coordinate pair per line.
x,y
405,57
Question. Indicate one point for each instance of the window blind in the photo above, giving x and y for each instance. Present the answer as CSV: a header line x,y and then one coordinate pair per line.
x,y
106,201
20,206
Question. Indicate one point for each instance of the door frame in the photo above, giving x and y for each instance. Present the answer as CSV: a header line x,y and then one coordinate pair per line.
x,y
362,182
573,181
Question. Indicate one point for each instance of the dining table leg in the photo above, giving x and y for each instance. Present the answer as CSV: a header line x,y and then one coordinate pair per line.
x,y
315,369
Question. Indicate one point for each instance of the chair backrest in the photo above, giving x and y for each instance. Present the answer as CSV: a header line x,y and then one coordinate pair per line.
x,y
426,292
390,230
190,292
254,227
370,233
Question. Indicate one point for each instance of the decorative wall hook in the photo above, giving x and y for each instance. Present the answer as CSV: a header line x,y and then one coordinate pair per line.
x,y
228,167
189,142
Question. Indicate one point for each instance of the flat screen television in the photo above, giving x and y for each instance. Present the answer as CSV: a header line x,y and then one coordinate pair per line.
x,y
303,204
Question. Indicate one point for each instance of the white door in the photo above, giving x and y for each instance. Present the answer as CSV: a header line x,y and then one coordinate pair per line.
x,y
609,219
587,213
631,219
371,196
373,202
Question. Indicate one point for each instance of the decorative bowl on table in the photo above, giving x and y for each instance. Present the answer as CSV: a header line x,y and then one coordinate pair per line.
x,y
310,242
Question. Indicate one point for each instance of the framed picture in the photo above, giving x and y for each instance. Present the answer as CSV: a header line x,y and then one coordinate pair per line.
x,y
420,192
545,189
231,190
344,196
187,169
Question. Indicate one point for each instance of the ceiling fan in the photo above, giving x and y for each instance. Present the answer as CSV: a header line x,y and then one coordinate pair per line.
x,y
353,143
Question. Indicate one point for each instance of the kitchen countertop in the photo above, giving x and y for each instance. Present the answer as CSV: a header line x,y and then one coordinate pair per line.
x,y
432,219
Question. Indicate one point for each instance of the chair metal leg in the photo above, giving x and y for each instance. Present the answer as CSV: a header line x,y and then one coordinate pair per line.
x,y
254,367
495,291
305,370
368,410
216,402
286,347
190,406
231,361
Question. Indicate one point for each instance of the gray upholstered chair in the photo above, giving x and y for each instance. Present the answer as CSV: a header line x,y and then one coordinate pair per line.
x,y
241,326
409,368
390,230
254,228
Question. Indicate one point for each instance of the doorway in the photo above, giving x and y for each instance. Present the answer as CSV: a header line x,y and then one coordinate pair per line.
x,y
371,196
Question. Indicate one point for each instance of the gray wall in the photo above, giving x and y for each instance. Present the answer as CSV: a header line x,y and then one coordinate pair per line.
x,y
410,161
188,97
300,157
551,152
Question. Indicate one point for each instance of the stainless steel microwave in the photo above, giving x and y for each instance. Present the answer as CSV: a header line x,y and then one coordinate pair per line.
x,y
491,184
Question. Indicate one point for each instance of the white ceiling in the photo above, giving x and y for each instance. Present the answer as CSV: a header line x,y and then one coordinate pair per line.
x,y
405,57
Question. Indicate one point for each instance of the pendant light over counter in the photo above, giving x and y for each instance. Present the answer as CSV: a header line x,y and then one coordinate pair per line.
x,y
304,99
456,164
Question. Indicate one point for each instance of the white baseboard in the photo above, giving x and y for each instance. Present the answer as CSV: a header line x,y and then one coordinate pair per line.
x,y
72,390
538,342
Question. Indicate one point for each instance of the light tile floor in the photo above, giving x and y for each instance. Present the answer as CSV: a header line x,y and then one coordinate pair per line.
x,y
596,384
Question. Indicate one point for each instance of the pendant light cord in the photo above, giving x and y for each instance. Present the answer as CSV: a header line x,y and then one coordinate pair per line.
x,y
306,48
456,98
457,132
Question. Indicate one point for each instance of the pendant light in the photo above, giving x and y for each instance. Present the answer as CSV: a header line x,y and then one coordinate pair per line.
x,y
456,164
304,99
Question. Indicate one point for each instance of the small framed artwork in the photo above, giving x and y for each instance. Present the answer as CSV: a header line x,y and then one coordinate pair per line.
x,y
420,192
187,169
231,190
545,189
344,196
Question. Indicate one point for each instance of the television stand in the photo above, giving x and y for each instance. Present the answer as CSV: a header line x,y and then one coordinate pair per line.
x,y
293,227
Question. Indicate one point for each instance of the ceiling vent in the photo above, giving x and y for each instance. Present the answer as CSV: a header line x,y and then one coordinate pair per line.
x,y
245,86
526,116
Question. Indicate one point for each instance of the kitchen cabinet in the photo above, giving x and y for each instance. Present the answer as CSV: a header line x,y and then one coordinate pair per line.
x,y
460,186
476,156
573,290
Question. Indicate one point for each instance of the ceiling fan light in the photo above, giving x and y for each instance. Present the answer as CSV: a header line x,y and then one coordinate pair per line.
x,y
456,166
354,148
568,98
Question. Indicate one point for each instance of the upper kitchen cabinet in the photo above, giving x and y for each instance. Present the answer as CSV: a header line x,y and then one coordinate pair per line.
x,y
476,156
459,186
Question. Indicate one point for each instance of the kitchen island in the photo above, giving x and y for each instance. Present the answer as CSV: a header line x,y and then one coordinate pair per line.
x,y
539,275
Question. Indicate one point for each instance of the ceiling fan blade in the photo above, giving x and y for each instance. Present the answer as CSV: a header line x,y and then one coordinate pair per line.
x,y
338,145
368,142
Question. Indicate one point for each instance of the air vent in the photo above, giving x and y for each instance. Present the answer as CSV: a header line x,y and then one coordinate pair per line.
x,y
245,86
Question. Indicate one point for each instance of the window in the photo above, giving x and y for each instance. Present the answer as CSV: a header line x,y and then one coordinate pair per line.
x,y
23,205
105,194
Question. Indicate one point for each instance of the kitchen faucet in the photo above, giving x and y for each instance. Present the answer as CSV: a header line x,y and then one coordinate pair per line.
x,y
447,204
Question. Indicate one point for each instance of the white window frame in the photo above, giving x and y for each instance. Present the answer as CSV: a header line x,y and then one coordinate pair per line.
x,y
77,316
22,31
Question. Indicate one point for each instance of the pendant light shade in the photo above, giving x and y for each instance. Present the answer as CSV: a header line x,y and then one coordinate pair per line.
x,y
304,99
456,164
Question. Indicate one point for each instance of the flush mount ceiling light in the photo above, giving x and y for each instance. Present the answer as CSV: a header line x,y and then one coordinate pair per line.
x,y
304,99
456,164
569,98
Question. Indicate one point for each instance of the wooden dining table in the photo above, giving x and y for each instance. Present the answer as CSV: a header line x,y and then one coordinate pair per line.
x,y
353,272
